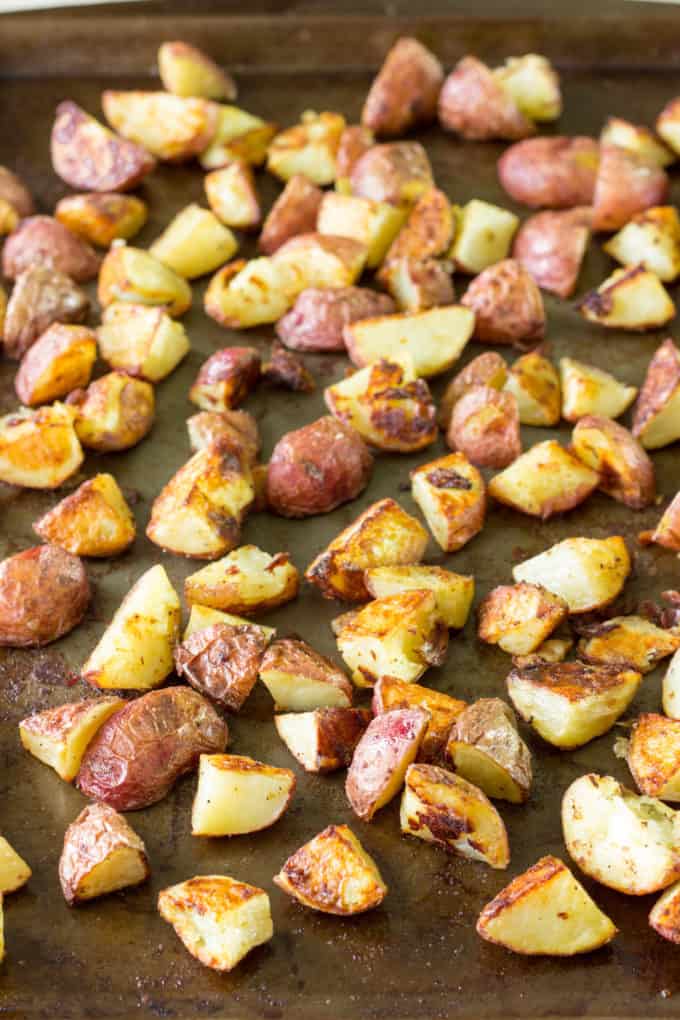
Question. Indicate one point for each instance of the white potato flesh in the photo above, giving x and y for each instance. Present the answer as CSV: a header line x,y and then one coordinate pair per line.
x,y
651,239
587,573
453,592
60,736
671,688
374,224
195,243
14,871
237,795
201,617
484,233
590,390
434,339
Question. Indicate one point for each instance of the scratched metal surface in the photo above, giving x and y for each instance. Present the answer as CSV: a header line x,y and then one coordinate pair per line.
x,y
418,955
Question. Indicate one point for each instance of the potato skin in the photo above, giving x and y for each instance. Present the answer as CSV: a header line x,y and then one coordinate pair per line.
x,y
551,246
626,470
494,443
475,105
44,241
507,304
40,297
97,832
626,185
316,468
100,218
557,172
488,369
234,430
661,380
405,91
355,140
14,191
226,379
393,172
222,662
44,593
387,747
131,400
140,752
317,320
294,212
286,370
65,354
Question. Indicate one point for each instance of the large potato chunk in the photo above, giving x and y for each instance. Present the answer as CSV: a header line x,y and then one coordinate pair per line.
x,y
43,241
94,520
102,218
628,642
518,618
383,535
390,693
476,104
557,172
333,874
544,481
133,275
244,294
650,239
484,427
570,703
626,471
588,390
323,740
170,127
294,212
60,736
427,232
551,247
194,243
654,756
101,855
381,759
373,224
535,385
39,449
308,148
534,85
59,361
247,580
434,339
300,679
624,841
141,341
638,139
135,651
238,135
507,305
483,235
237,795
656,418
40,297
89,157
444,809
631,299
452,497
405,91
545,912
187,71
626,184
44,593
485,748
14,871
588,573
488,369
218,919
222,661
226,378
453,592
114,413
397,172
232,196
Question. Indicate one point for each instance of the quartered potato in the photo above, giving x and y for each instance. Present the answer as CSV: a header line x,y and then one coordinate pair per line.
x,y
453,592
317,320
323,740
14,191
286,370
588,573
656,416
544,481
237,795
187,71
39,449
141,341
405,91
390,693
322,260
244,294
631,299
427,233
373,224
232,196
650,239
485,748
355,140
300,679
664,916
476,104
41,241
654,756
535,385
59,736
247,580
507,305
44,593
222,660
237,429
570,703
194,243
667,531
40,297
482,236
59,361
294,212
396,172
553,171
638,139
434,339
101,854
308,148
238,135
589,390
114,413
381,759
451,813
551,247
201,617
626,184
171,128
518,618
452,497
626,471
333,874
136,276
101,218
545,912
14,871
225,379
95,520
534,85
484,427
488,369
418,285
631,642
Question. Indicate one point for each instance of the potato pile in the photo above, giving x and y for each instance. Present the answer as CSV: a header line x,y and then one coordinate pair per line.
x,y
356,199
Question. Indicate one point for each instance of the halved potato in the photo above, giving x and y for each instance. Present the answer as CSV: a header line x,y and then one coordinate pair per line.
x,y
483,236
534,84
453,592
232,196
632,299
294,212
94,520
485,747
187,71
390,693
654,756
246,580
59,361
629,641
308,148
651,239
404,92
588,573
101,855
300,679
590,390
551,246
39,449
141,341
137,277
656,417
14,871
323,740
201,617
238,135
172,128
195,242
535,384
452,496
373,224
518,618
237,795
488,369
638,139
381,759
626,472
544,481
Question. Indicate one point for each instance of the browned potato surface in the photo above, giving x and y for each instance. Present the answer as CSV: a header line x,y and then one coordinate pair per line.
x,y
44,593
405,91
100,218
428,231
419,284
382,756
518,618
59,736
485,427
222,661
551,246
294,212
507,304
39,449
390,693
317,320
59,361
355,140
87,156
300,679
94,520
488,369
101,855
233,429
654,756
474,103
545,480
40,297
452,496
656,415
323,740
626,184
626,471
287,370
170,127
114,413
396,172
187,71
485,748
558,172
15,193
226,379
667,531
40,241
132,275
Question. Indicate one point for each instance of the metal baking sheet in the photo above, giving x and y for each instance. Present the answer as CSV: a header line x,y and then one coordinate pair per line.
x,y
418,955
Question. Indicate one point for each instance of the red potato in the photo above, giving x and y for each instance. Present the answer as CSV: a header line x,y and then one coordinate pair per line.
x,y
474,104
551,246
387,748
101,855
316,468
171,128
43,241
488,369
405,91
324,739
235,430
355,140
187,71
419,284
654,414
317,320
626,184
485,427
44,593
558,172
222,661
389,694
140,752
226,379
40,297
626,471
15,193
294,212
507,304
396,172
59,361
286,370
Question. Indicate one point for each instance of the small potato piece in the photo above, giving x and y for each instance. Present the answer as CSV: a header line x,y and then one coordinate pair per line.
x,y
534,85
381,759
451,813
483,235
571,703
59,361
171,128
60,736
535,384
373,224
194,243
39,449
636,139
40,297
488,369
318,319
244,294
237,795
322,260
545,912
551,247
135,652
654,756
397,172
333,874
44,593
187,71
101,855
94,520
245,581
287,370
238,135
314,469
226,379
141,341
222,661
587,390
452,497
626,471
485,748
114,413
87,156
390,693
15,193
667,531
14,871
427,232
299,679
434,339
355,140
631,299
40,241
629,642
668,124
101,218
308,148
232,196
507,305
453,592
556,172
664,916
588,573
474,103
551,651
656,416
294,212
405,91
133,275
417,285
323,740
237,429
383,535
484,427
544,481
626,184
518,618
201,617
650,239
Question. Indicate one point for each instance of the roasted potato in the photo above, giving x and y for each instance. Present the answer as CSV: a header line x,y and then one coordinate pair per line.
x,y
299,679
218,919
427,233
535,385
485,748
475,103
87,156
638,139
195,242
333,874
482,236
323,740
44,593
318,319
14,871
232,196
484,427
294,212
286,370
667,531
237,795
626,184
396,172
308,148
382,756
668,125
322,260
222,661
417,285
238,135
141,341
534,85
488,369
101,855
101,218
355,140
626,471
518,618
226,379
187,71
373,224
628,642
587,390
571,703
656,416
40,297
114,413
544,481
654,756
60,736
452,497
43,242
245,581
551,247
15,193
453,592
39,449
556,172
671,688
551,651
390,693
9,217
588,573
507,305
451,813
171,128
3,311
237,429
405,91
664,916
95,520
545,912
630,299
650,239
244,294
133,275
59,361
201,617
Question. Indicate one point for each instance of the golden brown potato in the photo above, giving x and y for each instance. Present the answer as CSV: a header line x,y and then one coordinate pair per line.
x,y
321,260
9,218
405,91
87,156
226,379
100,218
187,71
626,184
668,124
654,756
485,748
638,139
323,740
3,310
41,241
101,855
308,148
355,140
588,390
141,341
317,320
507,304
588,573
133,275
427,233
544,481
114,413
650,239
94,520
551,651
59,736
246,581
294,212
484,427
59,361
628,642
556,172
535,384
626,471
664,916
14,871
15,193
201,617
551,247
534,85
243,294
222,661
300,679
418,285
373,224
396,172
488,369
44,593
482,236
39,298
232,196
238,135
171,128
453,592
656,417
630,299
194,243
667,531
287,370
381,758
452,497
236,795
390,693
39,449
518,618
236,429
475,104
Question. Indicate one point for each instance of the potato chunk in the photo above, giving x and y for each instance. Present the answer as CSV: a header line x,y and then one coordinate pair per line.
x,y
201,617
60,736
475,103
631,299
484,427
39,449
237,795
452,496
355,140
195,242
238,135
308,148
232,196
654,756
507,305
451,813
44,593
237,429
551,246
488,369
589,390
545,912
114,413
226,378
218,919
244,294
553,171
222,661
650,239
390,694
141,341
294,212
322,260
638,139
518,618
588,573
485,748
300,679
95,520
483,235
136,276
571,703
323,740
381,759
656,417
453,592
41,241
626,472
171,128
396,172
419,285
40,297
245,581
14,871
373,224
59,361
544,481
427,232
664,916
405,91
535,385
102,218
534,85
668,124
101,855
187,71
626,185
629,642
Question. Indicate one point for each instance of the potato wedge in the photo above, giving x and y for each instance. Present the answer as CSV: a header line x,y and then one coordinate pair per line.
x,y
654,756
638,139
195,242
484,427
135,276
631,299
650,239
626,471
587,390
488,369
237,795
405,91
101,854
141,341
668,125
507,305
39,449
476,105
373,224
323,740
102,218
544,481
535,385
554,172
545,912
59,361
551,247
237,429
95,520
631,642
222,661
59,736
381,759
225,379
44,593
534,85
294,212
626,184
518,618
232,196
171,128
322,260
39,298
114,413
244,294
320,314
308,148
238,135
664,916
453,592
428,230
588,573
41,241
247,580
417,286
187,71
571,703
667,531
201,617
485,748
656,416
395,172
14,871
551,651
390,693
451,494
482,236
300,679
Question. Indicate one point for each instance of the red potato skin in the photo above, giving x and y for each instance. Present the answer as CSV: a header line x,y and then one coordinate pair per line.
x,y
477,372
44,593
405,91
222,662
626,185
507,304
497,444
477,107
44,241
14,191
234,430
635,483
317,320
294,212
316,468
551,246
389,740
286,370
661,380
355,140
383,170
226,378
552,172
140,752
97,832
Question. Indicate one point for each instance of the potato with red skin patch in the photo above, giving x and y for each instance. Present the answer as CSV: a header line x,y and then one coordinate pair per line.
x,y
551,246
488,369
314,469
485,427
114,413
419,284
141,751
40,297
59,736
226,379
15,193
87,156
395,172
100,218
44,593
382,756
294,212
451,493
101,854
390,694
317,320
427,233
44,241
518,618
222,661
667,531
236,430
507,304
485,747
324,739
59,361
355,140
656,417
557,172
300,679
405,91
475,105
626,184
286,370
626,471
